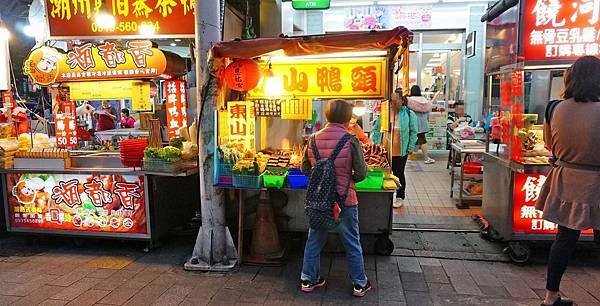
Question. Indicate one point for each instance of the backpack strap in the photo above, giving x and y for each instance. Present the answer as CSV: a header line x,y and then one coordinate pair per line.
x,y
550,110
340,145
315,150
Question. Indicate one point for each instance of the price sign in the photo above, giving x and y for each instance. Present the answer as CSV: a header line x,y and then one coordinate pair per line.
x,y
66,131
176,104
7,99
267,108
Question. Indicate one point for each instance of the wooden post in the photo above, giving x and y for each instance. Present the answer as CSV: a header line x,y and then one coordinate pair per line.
x,y
214,249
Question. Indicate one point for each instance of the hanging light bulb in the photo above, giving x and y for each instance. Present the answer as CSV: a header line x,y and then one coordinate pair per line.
x,y
273,85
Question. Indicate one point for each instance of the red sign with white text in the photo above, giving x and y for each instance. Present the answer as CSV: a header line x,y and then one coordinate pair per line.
x,y
8,99
66,130
132,18
527,219
560,29
176,105
87,203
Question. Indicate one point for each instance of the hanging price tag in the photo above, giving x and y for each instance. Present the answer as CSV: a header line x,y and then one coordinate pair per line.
x,y
66,131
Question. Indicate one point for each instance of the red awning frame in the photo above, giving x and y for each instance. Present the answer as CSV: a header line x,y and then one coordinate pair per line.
x,y
315,45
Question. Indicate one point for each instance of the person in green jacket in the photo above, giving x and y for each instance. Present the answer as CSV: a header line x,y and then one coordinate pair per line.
x,y
407,119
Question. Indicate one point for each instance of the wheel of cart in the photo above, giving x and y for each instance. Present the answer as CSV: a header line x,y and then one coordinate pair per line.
x,y
518,251
384,246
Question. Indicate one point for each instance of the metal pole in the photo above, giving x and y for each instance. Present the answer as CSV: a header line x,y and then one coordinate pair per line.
x,y
214,249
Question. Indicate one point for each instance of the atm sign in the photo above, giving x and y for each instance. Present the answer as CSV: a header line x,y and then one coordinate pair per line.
x,y
310,4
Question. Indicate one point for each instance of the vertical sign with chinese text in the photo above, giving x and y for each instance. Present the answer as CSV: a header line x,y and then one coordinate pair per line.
x,y
8,99
85,203
241,123
176,105
66,130
560,29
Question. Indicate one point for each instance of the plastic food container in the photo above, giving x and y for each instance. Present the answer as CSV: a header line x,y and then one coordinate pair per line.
x,y
274,178
473,168
297,179
373,181
247,181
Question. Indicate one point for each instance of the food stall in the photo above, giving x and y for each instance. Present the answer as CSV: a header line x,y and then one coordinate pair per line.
x,y
67,179
520,82
263,125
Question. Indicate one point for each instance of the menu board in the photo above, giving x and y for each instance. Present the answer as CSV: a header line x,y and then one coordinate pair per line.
x,y
267,108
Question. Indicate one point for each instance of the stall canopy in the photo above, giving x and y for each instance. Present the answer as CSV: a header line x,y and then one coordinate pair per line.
x,y
314,45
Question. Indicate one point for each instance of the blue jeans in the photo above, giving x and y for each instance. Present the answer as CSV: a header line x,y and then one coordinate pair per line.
x,y
350,236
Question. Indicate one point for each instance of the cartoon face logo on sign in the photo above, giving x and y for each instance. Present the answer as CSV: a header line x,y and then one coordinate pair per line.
x,y
41,65
26,191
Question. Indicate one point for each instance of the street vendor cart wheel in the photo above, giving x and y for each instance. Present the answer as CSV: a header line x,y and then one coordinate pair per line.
x,y
384,246
519,252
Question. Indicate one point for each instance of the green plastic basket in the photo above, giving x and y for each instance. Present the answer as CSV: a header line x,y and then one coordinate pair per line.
x,y
274,181
373,181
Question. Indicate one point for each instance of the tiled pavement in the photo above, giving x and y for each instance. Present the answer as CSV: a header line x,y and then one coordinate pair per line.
x,y
428,191
114,273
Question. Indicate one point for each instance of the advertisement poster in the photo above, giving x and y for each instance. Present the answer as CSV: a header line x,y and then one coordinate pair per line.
x,y
527,219
560,29
87,62
87,203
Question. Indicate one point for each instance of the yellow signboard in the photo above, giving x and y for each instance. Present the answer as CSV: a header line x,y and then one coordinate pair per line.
x,y
333,78
241,122
385,116
140,97
107,90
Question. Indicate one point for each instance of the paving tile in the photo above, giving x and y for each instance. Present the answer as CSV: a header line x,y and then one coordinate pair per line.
x,y
494,291
116,280
7,299
575,292
464,284
51,302
518,288
454,267
430,262
148,295
76,289
435,274
418,299
444,289
414,282
90,297
409,264
119,296
102,273
38,295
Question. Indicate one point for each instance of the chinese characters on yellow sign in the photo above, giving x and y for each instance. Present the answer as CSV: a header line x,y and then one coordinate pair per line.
x,y
241,122
141,18
336,78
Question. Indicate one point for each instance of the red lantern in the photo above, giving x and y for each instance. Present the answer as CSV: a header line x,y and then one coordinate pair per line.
x,y
243,75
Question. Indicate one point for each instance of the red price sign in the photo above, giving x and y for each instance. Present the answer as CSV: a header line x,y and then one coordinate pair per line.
x,y
7,99
66,131
560,29
176,105
527,219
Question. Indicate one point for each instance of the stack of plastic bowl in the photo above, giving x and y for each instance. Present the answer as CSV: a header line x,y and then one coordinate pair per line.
x,y
132,152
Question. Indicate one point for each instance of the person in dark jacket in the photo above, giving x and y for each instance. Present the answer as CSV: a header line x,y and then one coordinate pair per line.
x,y
350,167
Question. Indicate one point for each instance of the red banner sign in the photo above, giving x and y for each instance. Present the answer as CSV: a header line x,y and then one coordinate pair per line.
x,y
527,219
92,203
176,105
66,130
560,29
120,18
8,99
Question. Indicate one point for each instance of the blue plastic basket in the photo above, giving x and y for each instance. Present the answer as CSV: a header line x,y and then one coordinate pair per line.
x,y
297,180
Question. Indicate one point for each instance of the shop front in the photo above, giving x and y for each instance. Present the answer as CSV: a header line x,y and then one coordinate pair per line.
x,y
98,166
520,83
262,133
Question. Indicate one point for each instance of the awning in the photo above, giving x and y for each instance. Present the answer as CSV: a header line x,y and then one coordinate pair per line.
x,y
314,45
